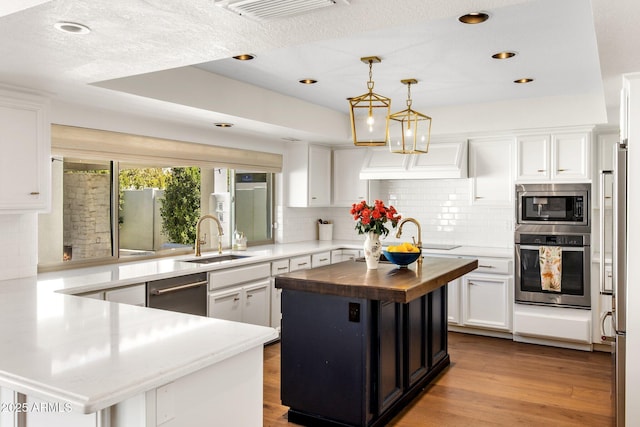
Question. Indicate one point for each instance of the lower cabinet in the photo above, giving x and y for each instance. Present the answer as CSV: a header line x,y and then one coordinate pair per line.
x,y
241,294
277,267
487,302
249,303
483,298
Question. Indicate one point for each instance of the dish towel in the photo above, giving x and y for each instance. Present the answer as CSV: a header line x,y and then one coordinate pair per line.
x,y
551,268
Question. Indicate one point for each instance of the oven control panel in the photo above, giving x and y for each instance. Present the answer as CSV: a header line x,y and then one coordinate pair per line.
x,y
552,240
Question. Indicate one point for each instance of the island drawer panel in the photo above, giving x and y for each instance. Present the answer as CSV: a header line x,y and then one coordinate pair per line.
x,y
233,276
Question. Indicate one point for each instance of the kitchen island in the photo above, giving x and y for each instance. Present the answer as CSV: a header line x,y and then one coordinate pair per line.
x,y
358,345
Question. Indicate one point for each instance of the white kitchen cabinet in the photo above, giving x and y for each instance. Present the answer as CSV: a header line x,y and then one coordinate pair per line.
x,y
308,176
300,263
241,294
605,146
348,188
444,160
453,302
483,298
247,304
277,267
558,157
491,171
320,259
226,304
342,255
25,141
487,302
134,295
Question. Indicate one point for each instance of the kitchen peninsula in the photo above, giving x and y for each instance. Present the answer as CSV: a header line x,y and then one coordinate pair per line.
x,y
357,344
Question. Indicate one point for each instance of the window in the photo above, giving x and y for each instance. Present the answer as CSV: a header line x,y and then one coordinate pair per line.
x,y
148,211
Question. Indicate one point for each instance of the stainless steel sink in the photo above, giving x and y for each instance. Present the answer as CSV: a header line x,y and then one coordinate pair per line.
x,y
217,258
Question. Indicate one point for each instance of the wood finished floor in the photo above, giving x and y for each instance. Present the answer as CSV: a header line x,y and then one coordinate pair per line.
x,y
493,382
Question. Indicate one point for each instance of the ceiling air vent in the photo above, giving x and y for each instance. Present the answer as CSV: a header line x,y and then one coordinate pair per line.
x,y
268,10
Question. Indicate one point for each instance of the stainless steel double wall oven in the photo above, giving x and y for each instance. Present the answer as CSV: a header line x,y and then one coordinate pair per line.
x,y
554,216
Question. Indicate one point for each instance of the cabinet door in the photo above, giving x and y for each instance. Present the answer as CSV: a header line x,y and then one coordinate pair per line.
x,y
570,156
226,304
486,301
453,301
491,170
348,188
256,303
25,165
390,381
319,176
277,267
533,158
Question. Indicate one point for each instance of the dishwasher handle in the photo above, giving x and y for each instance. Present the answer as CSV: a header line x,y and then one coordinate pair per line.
x,y
178,288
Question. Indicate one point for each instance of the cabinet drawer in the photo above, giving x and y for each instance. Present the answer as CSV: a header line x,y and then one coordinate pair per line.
x,y
279,267
494,266
232,276
300,263
323,258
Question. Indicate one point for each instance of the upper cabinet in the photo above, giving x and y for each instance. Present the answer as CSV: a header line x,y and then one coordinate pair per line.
x,y
444,160
25,142
491,171
348,188
558,157
308,176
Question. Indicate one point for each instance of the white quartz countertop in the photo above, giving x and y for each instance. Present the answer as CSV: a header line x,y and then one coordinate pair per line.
x,y
89,279
93,354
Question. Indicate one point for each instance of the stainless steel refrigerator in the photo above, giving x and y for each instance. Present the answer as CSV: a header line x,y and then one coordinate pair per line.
x,y
619,270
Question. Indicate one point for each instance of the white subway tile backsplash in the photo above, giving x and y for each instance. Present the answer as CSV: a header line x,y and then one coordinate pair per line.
x,y
442,207
18,246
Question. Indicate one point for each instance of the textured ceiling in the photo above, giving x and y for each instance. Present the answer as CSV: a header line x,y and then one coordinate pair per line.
x,y
416,38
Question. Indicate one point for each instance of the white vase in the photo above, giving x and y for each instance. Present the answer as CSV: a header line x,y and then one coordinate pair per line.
x,y
372,250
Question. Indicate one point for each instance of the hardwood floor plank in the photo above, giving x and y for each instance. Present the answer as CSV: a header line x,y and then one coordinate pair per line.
x,y
493,382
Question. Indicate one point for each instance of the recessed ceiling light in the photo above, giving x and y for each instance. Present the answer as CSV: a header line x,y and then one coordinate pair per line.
x,y
244,57
72,27
523,80
503,55
224,125
308,81
474,18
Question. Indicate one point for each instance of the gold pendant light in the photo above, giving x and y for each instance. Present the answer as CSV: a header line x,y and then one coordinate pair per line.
x,y
370,113
409,130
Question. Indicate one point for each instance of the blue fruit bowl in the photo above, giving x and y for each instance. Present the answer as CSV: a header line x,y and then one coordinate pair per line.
x,y
402,259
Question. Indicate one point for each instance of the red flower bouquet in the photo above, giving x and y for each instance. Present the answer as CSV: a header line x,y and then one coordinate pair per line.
x,y
373,218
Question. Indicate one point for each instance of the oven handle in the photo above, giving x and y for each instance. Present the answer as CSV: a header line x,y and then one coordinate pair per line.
x,y
178,288
564,248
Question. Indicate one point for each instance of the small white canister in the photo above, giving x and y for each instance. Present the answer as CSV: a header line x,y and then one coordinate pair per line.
x,y
325,231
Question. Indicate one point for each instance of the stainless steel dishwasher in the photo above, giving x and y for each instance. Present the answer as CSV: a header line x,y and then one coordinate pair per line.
x,y
185,294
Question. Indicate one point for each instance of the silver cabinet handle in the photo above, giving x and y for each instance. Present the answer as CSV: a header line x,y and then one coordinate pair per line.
x,y
486,266
35,193
282,268
324,259
249,295
562,170
178,288
542,170
302,264
236,299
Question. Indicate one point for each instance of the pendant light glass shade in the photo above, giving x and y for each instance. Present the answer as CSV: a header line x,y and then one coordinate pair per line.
x,y
370,114
409,130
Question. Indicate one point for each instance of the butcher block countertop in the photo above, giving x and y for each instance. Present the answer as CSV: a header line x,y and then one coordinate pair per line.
x,y
387,283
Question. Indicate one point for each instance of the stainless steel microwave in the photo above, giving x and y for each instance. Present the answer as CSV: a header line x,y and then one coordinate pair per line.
x,y
553,204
